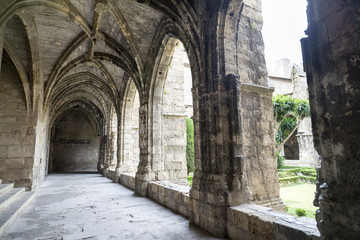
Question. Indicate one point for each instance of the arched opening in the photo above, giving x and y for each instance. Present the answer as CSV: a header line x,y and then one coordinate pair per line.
x,y
297,173
172,106
291,148
130,130
75,143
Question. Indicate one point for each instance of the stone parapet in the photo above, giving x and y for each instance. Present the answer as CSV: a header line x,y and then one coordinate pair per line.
x,y
128,180
173,196
257,222
247,221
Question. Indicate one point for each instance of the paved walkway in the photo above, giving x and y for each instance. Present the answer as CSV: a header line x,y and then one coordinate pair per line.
x,y
89,206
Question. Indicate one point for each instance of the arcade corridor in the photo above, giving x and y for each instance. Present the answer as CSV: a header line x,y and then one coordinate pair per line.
x,y
90,206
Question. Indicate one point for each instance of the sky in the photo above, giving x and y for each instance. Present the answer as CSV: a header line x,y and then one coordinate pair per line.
x,y
284,25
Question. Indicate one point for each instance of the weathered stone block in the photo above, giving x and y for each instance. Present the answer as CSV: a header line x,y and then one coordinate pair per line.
x,y
20,151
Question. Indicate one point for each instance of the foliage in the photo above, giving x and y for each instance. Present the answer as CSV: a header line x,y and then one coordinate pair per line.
x,y
190,145
287,180
288,174
190,178
295,170
280,161
309,172
288,113
308,179
300,212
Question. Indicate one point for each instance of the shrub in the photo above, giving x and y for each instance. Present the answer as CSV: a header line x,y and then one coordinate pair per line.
x,y
190,145
286,180
280,161
308,172
283,174
190,180
289,167
300,212
308,179
295,170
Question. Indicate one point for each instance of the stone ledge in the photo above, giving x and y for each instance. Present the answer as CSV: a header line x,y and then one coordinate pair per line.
x,y
257,222
128,180
169,114
111,174
173,196
257,88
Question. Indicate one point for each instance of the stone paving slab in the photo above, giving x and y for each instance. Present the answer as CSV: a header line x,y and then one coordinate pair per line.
x,y
5,187
90,206
11,212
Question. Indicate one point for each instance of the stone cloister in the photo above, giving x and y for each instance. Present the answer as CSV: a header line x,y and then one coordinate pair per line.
x,y
88,86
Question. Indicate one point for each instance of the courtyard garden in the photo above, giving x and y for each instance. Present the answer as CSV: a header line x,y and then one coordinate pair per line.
x,y
297,187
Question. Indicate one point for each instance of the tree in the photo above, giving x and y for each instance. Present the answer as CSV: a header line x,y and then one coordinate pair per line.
x,y
190,145
289,112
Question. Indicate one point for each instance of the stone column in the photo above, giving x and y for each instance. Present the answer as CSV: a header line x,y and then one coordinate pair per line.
x,y
102,165
144,174
120,156
332,63
237,143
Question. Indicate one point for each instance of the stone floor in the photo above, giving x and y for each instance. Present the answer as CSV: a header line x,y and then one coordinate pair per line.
x,y
89,206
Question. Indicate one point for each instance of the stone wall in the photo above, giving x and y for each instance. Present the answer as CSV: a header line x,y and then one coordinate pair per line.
x,y
332,63
17,131
75,144
281,85
130,141
244,222
308,154
259,163
250,222
127,180
171,195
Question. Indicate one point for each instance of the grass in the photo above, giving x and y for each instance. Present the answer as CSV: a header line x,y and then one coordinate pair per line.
x,y
299,195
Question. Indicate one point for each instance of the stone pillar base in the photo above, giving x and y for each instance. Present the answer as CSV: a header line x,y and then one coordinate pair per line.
x,y
209,217
118,172
141,187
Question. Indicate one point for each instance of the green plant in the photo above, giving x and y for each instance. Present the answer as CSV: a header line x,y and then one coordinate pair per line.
x,y
190,178
288,114
287,180
280,160
190,145
300,212
308,172
308,179
289,167
295,170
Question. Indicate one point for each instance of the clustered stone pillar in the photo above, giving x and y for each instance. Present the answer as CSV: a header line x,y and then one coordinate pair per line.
x,y
332,63
144,174
237,164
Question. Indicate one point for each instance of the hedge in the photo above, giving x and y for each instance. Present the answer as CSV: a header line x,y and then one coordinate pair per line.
x,y
308,179
293,179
